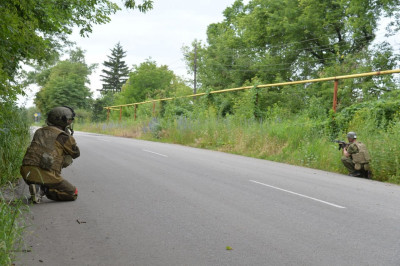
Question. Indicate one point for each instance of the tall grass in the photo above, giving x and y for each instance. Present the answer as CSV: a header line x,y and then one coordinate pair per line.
x,y
11,229
14,138
297,141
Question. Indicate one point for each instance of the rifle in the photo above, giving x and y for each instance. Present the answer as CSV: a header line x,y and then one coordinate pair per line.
x,y
342,144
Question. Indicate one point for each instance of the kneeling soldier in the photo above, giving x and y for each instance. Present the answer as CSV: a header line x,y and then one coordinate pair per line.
x,y
52,148
356,157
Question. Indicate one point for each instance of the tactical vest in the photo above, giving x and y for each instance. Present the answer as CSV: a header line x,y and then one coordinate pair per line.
x,y
43,152
362,158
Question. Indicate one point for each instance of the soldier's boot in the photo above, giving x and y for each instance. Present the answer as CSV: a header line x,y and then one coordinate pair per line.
x,y
36,192
355,174
366,174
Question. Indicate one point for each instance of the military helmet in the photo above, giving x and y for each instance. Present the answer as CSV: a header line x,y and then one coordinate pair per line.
x,y
59,116
351,135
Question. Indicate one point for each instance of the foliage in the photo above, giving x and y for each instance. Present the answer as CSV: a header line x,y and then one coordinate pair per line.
x,y
178,107
98,112
14,137
274,41
116,71
148,81
83,115
64,84
11,228
36,30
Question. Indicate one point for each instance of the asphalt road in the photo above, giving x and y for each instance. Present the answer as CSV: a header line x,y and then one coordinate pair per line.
x,y
146,203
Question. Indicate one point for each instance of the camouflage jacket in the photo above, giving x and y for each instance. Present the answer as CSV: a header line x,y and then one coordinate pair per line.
x,y
49,147
359,153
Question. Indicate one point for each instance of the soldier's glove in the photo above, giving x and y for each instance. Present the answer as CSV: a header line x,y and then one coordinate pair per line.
x,y
67,161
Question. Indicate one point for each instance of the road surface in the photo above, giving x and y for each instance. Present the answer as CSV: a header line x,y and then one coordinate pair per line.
x,y
146,203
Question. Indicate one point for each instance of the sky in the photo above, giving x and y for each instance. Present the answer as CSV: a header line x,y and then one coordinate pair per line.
x,y
158,34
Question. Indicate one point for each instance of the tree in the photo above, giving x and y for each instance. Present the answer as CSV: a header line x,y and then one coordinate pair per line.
x,y
284,40
98,111
116,72
36,30
149,81
64,84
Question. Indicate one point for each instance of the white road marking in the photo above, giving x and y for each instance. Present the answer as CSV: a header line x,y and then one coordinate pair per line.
x,y
298,194
155,153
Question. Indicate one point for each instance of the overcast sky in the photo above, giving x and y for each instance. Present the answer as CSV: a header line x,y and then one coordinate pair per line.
x,y
158,34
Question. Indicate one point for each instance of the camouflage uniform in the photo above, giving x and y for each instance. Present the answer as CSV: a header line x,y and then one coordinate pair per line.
x,y
51,149
359,158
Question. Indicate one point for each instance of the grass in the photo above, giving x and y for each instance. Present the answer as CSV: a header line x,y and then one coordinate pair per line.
x,y
11,230
14,138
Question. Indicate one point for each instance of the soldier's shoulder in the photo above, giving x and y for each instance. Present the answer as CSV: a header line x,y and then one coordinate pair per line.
x,y
352,148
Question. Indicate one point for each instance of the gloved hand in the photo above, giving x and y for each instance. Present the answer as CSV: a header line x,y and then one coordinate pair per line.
x,y
67,161
69,130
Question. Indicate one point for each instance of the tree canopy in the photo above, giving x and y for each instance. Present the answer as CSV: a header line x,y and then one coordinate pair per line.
x,y
65,84
282,40
36,30
147,81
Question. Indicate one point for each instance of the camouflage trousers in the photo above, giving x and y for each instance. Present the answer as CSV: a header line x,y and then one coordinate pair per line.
x,y
348,163
57,189
63,191
351,167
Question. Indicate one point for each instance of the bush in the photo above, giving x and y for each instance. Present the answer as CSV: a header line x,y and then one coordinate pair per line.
x,y
14,138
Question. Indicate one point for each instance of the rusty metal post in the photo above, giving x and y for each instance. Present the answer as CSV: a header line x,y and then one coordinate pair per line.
x,y
108,115
120,113
335,90
154,109
135,112
255,113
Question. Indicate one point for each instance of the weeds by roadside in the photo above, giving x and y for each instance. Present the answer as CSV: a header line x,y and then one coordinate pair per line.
x,y
14,138
11,230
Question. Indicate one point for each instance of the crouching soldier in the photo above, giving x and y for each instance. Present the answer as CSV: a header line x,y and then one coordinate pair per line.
x,y
52,148
356,157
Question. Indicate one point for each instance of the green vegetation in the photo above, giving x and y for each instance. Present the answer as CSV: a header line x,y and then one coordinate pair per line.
x,y
284,40
37,31
149,81
14,138
64,83
11,229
